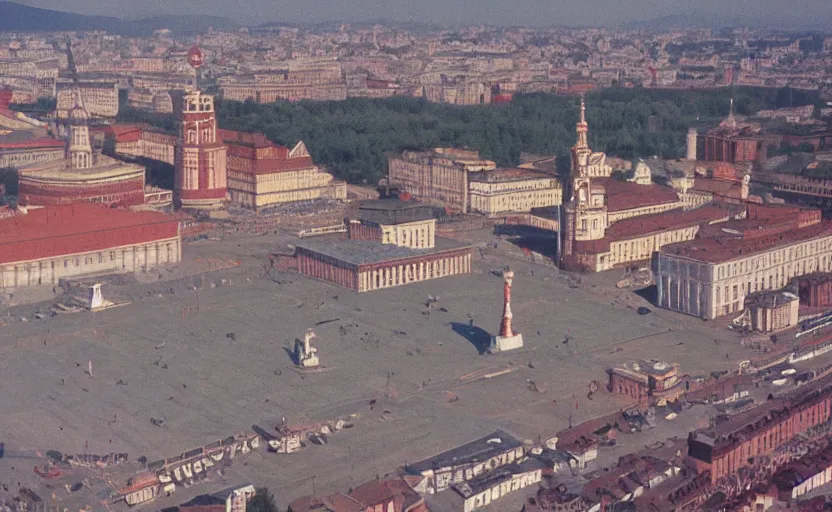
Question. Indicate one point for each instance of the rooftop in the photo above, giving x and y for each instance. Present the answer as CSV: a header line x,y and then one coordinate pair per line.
x,y
54,222
59,170
490,479
363,252
644,225
722,249
736,428
674,219
510,174
769,299
625,195
478,450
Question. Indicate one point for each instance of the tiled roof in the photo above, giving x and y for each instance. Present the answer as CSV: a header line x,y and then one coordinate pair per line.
x,y
624,195
718,250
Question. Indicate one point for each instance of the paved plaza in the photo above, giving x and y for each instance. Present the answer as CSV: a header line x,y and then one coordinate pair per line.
x,y
213,362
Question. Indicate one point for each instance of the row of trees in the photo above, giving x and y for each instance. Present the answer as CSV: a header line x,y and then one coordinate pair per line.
x,y
352,138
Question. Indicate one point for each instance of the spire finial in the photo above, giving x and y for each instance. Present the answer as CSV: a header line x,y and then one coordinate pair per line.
x,y
583,109
731,119
582,127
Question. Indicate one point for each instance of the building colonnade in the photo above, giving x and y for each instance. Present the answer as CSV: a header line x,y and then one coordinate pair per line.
x,y
131,258
392,274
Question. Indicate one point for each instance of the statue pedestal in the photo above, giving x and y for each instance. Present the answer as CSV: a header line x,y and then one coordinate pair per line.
x,y
504,343
309,362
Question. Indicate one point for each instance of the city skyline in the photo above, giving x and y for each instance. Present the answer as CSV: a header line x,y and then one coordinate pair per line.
x,y
525,12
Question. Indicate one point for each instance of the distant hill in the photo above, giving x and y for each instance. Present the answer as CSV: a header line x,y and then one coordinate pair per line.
x,y
15,17
721,21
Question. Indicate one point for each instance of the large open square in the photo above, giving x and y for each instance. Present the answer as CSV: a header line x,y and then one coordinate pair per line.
x,y
215,361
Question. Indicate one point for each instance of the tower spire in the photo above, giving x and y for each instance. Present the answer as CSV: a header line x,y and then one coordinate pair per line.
x,y
582,127
732,121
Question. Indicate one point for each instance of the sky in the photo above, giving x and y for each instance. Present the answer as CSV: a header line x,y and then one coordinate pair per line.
x,y
498,12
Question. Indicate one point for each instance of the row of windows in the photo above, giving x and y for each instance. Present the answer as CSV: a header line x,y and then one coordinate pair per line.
x,y
775,281
780,256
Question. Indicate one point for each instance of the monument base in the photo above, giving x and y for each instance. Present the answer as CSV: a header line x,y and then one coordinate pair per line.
x,y
309,362
504,343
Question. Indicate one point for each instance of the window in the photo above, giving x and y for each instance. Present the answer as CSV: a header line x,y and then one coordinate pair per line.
x,y
583,224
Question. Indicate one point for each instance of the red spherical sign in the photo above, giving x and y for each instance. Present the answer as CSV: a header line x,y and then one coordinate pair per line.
x,y
195,56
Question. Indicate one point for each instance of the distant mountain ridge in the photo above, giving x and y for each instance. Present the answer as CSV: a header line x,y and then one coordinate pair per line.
x,y
720,21
15,17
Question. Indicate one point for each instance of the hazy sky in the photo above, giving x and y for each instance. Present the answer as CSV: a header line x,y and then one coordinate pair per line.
x,y
519,12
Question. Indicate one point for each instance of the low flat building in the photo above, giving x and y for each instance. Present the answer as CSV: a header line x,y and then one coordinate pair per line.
x,y
771,311
376,495
401,223
365,266
55,242
467,462
262,174
24,147
486,489
232,499
711,276
647,382
389,243
499,191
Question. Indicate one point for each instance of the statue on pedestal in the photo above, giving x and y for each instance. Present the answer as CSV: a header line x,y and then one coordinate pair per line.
x,y
306,356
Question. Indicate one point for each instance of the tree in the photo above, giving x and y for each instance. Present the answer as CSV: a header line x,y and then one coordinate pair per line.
x,y
262,501
351,138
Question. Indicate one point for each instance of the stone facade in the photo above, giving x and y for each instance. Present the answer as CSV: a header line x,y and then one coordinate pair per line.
x,y
759,440
502,191
77,240
609,223
383,274
711,277
439,177
772,311
262,174
100,98
200,176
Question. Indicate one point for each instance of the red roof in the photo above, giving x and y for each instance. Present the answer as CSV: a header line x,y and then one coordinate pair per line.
x,y
726,248
720,187
42,142
624,195
248,145
69,229
666,221
648,224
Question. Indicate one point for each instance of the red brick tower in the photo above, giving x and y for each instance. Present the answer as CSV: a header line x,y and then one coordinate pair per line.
x,y
200,167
